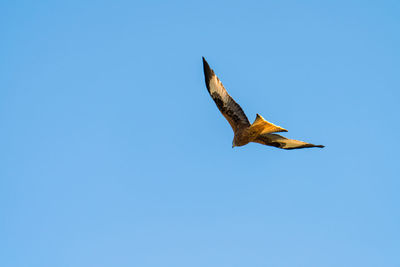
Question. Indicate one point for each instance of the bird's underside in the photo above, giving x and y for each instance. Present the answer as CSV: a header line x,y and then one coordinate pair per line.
x,y
261,131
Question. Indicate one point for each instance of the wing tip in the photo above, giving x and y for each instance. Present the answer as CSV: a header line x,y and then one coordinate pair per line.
x,y
205,63
208,72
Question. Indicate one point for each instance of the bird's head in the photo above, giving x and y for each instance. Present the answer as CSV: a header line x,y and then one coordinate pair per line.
x,y
233,143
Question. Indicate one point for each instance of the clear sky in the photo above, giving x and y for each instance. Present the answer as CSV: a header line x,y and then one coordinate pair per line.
x,y
112,153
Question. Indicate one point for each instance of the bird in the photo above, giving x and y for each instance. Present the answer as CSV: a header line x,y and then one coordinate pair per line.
x,y
260,131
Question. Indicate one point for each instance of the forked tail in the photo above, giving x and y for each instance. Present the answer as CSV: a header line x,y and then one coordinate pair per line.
x,y
261,126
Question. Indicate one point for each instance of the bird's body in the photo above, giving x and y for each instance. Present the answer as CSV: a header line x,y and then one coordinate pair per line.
x,y
261,131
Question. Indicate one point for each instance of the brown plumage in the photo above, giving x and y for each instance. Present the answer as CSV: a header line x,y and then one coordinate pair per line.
x,y
244,132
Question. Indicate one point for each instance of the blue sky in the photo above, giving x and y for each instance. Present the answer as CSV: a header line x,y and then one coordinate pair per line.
x,y
113,153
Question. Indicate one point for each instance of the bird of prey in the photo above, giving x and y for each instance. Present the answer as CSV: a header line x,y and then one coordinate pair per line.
x,y
261,131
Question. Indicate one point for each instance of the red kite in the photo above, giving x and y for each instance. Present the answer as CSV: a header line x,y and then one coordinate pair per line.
x,y
261,131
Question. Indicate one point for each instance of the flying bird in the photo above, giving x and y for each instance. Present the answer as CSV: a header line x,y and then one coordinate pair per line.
x,y
261,131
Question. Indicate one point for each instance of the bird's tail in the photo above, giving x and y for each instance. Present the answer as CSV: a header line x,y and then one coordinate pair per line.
x,y
262,126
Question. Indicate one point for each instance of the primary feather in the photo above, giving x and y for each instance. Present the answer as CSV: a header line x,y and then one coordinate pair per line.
x,y
279,141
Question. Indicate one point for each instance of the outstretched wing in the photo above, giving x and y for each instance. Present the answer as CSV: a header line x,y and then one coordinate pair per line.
x,y
225,103
279,141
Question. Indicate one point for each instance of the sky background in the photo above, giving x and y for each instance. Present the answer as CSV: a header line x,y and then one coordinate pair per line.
x,y
112,153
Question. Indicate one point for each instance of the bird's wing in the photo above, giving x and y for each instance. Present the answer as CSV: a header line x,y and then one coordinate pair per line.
x,y
225,103
279,141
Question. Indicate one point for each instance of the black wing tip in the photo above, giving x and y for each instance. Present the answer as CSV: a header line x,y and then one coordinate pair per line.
x,y
205,62
305,146
208,72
